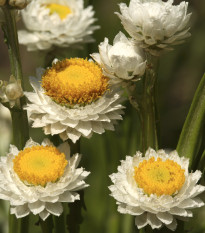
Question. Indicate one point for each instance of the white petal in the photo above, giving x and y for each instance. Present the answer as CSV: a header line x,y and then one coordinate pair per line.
x,y
44,215
68,197
54,208
153,221
178,211
191,203
172,226
165,217
65,148
141,220
20,211
36,207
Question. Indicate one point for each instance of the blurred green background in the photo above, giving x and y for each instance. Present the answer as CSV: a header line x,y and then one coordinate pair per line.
x,y
179,74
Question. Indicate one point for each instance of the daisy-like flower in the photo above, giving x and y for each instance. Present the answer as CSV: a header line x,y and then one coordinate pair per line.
x,y
73,99
56,23
157,189
38,178
124,61
155,24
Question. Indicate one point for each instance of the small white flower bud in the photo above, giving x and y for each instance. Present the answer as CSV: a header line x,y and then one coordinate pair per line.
x,y
13,91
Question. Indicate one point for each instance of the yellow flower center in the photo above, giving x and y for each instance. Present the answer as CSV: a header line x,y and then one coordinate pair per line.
x,y
62,11
74,81
39,165
159,177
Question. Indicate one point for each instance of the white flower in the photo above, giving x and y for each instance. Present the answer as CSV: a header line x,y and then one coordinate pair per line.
x,y
23,171
155,24
123,61
75,100
56,23
11,91
157,189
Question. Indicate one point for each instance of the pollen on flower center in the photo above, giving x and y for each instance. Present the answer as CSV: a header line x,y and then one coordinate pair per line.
x,y
74,81
39,165
159,177
62,11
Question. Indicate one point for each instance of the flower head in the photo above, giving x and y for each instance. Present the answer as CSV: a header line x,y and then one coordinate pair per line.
x,y
154,24
124,61
56,23
38,178
11,91
73,99
157,189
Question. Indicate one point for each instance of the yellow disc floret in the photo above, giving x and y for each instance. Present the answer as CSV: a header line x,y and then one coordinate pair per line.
x,y
39,165
74,81
62,11
159,177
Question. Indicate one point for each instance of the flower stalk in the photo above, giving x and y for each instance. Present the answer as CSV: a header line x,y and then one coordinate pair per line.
x,y
47,225
148,106
75,218
19,116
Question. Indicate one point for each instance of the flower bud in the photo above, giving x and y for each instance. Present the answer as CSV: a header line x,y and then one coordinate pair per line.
x,y
121,62
11,91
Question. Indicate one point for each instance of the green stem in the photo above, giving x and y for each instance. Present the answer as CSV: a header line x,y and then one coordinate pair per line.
x,y
75,218
20,128
19,116
47,225
59,223
11,39
148,107
142,230
189,141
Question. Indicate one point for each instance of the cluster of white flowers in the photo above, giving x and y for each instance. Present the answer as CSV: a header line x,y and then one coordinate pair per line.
x,y
76,97
154,26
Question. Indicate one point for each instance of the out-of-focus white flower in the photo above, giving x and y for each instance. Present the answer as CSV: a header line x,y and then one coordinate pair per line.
x,y
37,179
124,61
73,99
157,189
56,23
154,24
11,91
